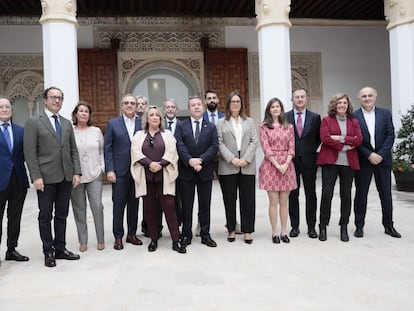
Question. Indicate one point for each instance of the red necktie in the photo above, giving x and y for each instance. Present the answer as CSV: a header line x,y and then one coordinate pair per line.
x,y
299,124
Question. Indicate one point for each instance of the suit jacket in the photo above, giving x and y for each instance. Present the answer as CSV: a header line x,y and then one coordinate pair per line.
x,y
117,146
13,159
166,124
187,148
330,147
384,136
307,145
206,115
46,156
228,147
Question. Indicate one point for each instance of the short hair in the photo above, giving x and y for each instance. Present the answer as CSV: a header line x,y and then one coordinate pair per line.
x,y
333,103
210,91
193,97
46,91
228,103
144,122
128,95
75,111
300,89
170,100
142,97
368,87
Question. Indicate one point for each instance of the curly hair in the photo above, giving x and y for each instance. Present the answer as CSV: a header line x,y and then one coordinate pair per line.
x,y
333,103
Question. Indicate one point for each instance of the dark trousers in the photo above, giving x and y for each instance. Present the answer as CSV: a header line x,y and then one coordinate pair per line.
x,y
14,195
187,189
123,193
382,175
329,174
245,185
153,200
309,184
54,196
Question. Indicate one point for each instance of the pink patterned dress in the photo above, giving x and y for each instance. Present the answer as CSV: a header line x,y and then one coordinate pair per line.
x,y
278,142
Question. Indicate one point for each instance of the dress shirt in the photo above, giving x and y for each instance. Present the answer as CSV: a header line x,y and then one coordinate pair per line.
x,y
52,119
303,117
130,125
237,127
369,117
193,123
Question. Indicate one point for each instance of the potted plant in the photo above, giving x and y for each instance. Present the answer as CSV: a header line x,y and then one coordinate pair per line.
x,y
403,156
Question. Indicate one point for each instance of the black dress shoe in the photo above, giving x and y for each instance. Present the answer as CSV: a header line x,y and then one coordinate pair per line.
x,y
118,244
231,239
344,234
359,232
294,232
312,233
152,247
208,241
66,255
50,260
392,232
185,241
284,238
276,239
15,255
248,241
133,239
176,246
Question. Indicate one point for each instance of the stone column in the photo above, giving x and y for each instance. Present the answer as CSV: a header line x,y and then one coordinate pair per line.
x,y
400,17
274,51
60,55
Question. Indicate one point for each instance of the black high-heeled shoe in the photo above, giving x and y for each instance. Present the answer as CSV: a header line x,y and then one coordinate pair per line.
x,y
275,239
152,247
231,239
285,238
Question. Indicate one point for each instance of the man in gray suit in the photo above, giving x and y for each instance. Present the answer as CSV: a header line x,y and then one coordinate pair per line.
x,y
53,161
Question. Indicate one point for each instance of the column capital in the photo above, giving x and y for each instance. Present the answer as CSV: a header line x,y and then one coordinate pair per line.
x,y
272,12
398,12
58,10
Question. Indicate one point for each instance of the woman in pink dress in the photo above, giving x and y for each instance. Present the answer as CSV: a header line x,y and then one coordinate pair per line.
x,y
277,173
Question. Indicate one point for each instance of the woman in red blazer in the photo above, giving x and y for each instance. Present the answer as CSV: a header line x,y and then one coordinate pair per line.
x,y
340,135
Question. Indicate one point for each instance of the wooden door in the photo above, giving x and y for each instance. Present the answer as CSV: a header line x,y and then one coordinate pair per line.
x,y
98,83
227,70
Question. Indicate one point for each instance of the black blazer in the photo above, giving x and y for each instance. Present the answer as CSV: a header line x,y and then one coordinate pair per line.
x,y
308,143
384,136
206,149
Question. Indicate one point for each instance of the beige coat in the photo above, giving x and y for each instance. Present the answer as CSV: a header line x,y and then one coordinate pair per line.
x,y
170,172
228,147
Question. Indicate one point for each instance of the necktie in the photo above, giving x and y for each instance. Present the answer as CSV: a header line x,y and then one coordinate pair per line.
x,y
197,131
213,119
169,125
299,124
7,136
58,127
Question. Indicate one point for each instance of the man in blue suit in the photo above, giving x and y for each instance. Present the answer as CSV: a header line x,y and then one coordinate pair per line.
x,y
13,178
197,146
375,158
117,151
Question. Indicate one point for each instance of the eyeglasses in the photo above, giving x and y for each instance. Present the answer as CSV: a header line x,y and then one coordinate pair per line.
x,y
130,103
5,107
60,98
151,141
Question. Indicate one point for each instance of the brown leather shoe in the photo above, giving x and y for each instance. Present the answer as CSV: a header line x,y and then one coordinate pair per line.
x,y
133,239
118,244
101,246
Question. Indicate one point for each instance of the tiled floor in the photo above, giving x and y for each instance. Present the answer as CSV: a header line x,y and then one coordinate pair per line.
x,y
373,273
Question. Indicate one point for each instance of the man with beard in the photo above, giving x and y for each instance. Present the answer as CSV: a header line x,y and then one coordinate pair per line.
x,y
212,114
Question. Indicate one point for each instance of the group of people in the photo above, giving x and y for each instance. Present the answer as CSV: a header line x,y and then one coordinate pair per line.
x,y
147,152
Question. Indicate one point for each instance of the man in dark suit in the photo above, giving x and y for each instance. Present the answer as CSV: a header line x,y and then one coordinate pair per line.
x,y
307,140
375,158
13,178
117,151
197,146
53,161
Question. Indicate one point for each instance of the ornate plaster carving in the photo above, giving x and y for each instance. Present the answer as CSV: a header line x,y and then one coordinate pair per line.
x,y
21,76
398,12
272,13
188,65
306,73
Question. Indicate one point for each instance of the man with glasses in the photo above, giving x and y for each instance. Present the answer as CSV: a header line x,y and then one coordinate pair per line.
x,y
117,151
53,161
13,178
142,103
